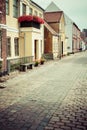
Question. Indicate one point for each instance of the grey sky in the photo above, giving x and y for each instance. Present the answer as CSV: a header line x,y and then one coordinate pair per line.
x,y
75,9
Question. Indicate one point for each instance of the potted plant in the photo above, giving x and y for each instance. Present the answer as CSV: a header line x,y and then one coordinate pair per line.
x,y
36,63
42,61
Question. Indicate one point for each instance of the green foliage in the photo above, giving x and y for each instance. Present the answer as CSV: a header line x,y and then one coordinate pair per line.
x,y
36,63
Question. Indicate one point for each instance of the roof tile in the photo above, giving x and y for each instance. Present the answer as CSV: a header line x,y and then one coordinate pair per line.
x,y
53,16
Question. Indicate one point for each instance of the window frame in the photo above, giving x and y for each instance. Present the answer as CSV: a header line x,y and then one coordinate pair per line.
x,y
35,13
7,7
23,9
16,46
15,8
9,47
30,11
0,43
40,15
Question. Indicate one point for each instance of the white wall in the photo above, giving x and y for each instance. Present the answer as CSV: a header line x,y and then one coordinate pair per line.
x,y
68,33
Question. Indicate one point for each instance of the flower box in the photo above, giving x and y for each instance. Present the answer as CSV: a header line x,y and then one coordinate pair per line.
x,y
30,21
30,24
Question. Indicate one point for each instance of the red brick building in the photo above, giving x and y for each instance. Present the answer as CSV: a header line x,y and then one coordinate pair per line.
x,y
3,55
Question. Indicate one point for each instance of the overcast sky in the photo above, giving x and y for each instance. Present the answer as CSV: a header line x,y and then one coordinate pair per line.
x,y
75,9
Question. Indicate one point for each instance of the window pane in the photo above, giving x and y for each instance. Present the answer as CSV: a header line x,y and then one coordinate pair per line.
x,y
7,7
8,47
31,11
16,44
35,13
15,8
0,42
23,9
40,15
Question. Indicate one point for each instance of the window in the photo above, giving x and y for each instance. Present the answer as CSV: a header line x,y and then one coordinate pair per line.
x,y
31,11
7,7
15,8
40,15
41,47
9,47
16,44
23,9
35,13
0,42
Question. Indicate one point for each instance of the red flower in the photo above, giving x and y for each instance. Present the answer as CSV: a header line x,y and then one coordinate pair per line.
x,y
38,19
30,18
25,18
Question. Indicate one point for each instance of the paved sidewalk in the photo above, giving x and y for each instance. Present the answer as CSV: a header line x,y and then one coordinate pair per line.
x,y
51,97
72,114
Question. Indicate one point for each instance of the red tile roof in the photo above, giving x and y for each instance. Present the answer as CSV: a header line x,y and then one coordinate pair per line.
x,y
53,16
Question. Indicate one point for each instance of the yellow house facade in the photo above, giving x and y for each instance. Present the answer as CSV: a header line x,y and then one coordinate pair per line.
x,y
23,40
12,30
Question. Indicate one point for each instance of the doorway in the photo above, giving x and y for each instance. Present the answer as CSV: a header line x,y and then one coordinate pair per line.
x,y
62,47
36,49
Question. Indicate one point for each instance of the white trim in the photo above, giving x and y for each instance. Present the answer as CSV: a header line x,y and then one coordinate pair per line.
x,y
33,30
12,29
1,59
9,28
3,26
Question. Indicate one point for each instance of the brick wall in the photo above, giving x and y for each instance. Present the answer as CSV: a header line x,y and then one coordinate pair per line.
x,y
3,32
4,51
3,10
48,41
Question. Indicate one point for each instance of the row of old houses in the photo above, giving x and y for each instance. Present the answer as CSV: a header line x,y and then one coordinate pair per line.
x,y
28,31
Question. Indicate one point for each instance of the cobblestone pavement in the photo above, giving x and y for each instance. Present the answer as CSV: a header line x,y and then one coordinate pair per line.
x,y
50,97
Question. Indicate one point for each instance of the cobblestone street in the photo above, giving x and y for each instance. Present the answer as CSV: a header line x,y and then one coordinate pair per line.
x,y
50,97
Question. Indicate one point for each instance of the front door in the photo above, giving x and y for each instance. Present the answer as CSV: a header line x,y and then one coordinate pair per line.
x,y
62,47
35,49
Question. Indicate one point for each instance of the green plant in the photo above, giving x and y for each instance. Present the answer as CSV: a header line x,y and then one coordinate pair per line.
x,y
42,61
36,63
68,53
